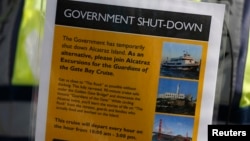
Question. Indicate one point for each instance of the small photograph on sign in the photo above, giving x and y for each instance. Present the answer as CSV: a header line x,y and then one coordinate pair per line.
x,y
181,60
172,128
176,96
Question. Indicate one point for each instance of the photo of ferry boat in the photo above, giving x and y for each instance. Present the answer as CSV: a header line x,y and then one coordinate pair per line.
x,y
181,60
185,62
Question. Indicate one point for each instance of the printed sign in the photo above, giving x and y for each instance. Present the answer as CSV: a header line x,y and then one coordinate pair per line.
x,y
128,71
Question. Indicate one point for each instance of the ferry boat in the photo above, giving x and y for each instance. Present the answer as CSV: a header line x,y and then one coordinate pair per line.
x,y
185,62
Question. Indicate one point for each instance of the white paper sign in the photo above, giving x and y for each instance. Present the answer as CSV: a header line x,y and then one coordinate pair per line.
x,y
128,70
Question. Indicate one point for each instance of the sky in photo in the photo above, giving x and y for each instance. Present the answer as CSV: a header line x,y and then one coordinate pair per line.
x,y
170,85
171,50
